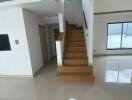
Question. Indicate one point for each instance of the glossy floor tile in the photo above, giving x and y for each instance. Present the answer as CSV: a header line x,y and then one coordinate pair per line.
x,y
113,82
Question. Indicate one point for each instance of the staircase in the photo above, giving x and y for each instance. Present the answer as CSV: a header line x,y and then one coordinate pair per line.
x,y
75,62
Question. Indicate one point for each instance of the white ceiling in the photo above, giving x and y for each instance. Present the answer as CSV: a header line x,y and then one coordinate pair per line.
x,y
44,8
4,0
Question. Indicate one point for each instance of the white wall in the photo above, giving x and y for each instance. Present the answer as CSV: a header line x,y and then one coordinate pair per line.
x,y
16,61
31,24
73,12
88,9
112,5
100,32
50,20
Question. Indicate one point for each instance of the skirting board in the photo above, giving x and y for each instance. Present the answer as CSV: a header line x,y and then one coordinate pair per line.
x,y
38,71
99,55
15,76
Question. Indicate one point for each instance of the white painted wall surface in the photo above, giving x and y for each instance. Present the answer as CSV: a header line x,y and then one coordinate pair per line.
x,y
100,31
112,5
50,20
16,61
73,12
16,3
88,9
31,25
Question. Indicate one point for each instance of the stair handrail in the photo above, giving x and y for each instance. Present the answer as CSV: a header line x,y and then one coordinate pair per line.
x,y
60,45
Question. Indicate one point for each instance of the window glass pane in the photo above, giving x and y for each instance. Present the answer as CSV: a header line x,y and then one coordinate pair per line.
x,y
125,25
129,29
115,28
127,35
114,36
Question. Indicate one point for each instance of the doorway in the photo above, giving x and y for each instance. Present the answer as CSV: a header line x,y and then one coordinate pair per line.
x,y
44,45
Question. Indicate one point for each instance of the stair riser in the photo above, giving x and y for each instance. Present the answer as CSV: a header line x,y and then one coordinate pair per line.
x,y
79,39
74,49
75,55
75,31
77,78
74,71
72,44
75,35
75,63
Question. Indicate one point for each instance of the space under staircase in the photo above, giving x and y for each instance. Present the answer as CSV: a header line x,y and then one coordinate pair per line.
x,y
75,62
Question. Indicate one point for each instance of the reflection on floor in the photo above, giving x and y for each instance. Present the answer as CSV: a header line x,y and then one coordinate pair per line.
x,y
44,86
119,71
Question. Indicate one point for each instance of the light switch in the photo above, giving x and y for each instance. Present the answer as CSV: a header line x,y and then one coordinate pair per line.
x,y
17,42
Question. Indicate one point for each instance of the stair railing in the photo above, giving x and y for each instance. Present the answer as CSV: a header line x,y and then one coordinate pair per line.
x,y
63,30
60,40
59,49
60,45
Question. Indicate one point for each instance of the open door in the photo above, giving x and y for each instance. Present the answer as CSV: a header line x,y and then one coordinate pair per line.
x,y
43,40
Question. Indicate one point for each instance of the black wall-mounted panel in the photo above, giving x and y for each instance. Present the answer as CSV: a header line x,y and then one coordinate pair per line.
x,y
4,43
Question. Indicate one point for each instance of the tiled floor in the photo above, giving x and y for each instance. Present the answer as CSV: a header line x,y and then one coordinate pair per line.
x,y
113,82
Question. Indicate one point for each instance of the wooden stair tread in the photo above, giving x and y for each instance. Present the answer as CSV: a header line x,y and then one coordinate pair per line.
x,y
74,49
71,69
75,55
76,78
76,62
74,35
74,44
76,31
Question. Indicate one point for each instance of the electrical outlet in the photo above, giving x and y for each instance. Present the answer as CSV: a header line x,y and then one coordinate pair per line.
x,y
17,42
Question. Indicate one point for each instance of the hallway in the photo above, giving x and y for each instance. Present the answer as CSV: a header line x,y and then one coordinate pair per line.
x,y
45,87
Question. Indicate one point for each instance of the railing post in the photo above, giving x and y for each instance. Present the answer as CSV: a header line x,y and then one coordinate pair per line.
x,y
60,41
59,53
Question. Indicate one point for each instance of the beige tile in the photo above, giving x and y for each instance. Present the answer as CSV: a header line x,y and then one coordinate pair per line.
x,y
45,87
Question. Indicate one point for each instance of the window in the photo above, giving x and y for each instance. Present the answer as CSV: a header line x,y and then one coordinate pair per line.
x,y
119,35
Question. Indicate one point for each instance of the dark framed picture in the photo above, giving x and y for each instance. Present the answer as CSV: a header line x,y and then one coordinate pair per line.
x,y
4,42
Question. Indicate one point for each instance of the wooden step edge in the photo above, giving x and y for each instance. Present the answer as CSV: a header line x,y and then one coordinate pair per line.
x,y
76,79
77,53
75,73
75,42
74,69
69,46
75,57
